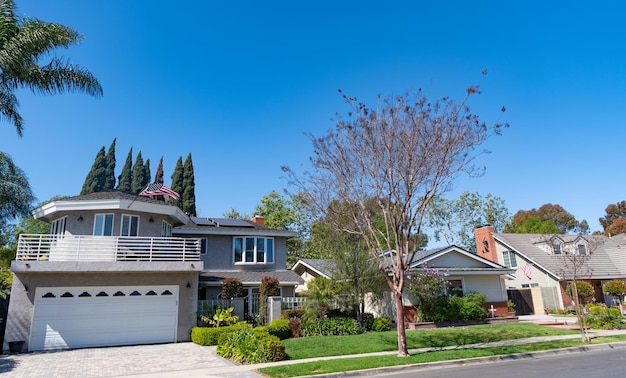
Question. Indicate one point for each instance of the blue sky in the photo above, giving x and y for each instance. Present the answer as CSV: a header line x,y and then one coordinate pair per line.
x,y
237,83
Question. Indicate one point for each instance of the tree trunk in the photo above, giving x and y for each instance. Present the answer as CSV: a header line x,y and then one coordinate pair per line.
x,y
402,348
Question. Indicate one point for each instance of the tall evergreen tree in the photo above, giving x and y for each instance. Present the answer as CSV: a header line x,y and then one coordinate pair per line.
x,y
126,177
109,182
146,168
94,182
158,176
139,175
189,188
177,180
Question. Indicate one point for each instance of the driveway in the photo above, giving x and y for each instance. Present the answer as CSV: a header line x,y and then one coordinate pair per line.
x,y
165,360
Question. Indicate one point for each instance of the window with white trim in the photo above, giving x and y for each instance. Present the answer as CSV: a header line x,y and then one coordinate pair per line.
x,y
166,229
204,244
253,250
556,248
103,225
130,225
57,227
454,287
509,259
582,249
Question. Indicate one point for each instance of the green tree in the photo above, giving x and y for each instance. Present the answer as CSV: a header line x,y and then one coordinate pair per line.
x,y
125,178
177,181
109,182
564,221
23,43
189,188
158,176
456,220
96,178
16,195
139,175
147,174
402,152
235,214
286,213
534,225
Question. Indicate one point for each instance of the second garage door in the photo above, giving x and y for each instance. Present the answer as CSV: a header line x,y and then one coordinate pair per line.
x,y
78,317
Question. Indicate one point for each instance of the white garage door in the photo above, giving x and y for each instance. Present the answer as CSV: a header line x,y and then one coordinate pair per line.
x,y
77,317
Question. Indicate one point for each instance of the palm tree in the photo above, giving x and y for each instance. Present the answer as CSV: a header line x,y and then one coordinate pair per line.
x,y
15,193
23,41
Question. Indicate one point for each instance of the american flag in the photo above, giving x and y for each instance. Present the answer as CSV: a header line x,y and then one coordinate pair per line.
x,y
159,190
527,270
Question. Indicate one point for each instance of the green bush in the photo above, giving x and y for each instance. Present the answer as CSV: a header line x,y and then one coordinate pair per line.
x,y
368,321
453,308
280,328
602,317
210,335
332,327
292,313
615,288
247,346
473,307
381,324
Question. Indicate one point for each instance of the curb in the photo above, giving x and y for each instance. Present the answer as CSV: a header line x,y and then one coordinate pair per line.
x,y
472,361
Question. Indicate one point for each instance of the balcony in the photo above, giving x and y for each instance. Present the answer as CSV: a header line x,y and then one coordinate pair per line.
x,y
106,248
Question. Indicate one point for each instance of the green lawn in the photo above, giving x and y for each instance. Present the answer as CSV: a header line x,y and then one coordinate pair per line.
x,y
320,346
348,364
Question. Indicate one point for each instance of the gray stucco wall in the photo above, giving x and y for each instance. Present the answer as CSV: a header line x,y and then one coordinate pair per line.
x,y
85,227
220,254
21,302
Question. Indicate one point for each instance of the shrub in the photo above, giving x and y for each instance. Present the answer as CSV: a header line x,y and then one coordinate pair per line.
x,y
601,317
210,335
615,288
295,327
247,346
232,288
221,317
473,307
280,328
381,324
332,326
368,321
454,308
584,288
292,313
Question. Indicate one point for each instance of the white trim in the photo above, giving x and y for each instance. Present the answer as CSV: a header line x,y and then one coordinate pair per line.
x,y
130,216
306,265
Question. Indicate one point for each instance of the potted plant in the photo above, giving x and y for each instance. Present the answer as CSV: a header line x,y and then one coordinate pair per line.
x,y
510,307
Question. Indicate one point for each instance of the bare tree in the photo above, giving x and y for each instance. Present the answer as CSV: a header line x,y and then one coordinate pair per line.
x,y
401,154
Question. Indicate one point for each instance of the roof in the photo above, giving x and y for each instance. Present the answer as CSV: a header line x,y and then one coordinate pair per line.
x,y
284,277
482,265
111,200
226,226
323,267
607,258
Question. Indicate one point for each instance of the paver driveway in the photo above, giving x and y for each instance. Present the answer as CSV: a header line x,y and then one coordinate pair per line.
x,y
180,359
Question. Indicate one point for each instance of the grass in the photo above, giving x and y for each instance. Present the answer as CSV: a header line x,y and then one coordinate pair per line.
x,y
322,346
348,364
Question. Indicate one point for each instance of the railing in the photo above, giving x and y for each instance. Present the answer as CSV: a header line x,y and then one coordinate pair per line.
x,y
290,303
106,248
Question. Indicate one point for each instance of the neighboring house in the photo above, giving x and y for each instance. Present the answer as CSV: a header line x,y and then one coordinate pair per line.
x,y
309,269
121,269
466,272
540,261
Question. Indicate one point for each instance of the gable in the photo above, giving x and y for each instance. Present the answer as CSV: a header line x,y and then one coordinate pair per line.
x,y
455,259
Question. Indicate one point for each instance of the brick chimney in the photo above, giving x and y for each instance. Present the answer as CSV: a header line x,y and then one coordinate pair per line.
x,y
485,243
258,220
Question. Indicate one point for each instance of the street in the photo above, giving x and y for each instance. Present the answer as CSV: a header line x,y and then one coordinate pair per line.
x,y
595,363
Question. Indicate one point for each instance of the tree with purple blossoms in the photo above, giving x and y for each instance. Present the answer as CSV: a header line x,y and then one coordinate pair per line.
x,y
426,283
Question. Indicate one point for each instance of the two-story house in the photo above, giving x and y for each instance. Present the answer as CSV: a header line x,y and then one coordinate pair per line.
x,y
549,262
122,269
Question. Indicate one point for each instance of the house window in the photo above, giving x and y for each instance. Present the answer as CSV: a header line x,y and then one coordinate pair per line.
x,y
556,248
582,249
103,225
252,250
532,284
130,225
455,287
509,259
204,243
57,227
166,229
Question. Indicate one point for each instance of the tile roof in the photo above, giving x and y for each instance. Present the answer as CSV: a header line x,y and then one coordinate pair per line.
x,y
252,277
607,259
324,266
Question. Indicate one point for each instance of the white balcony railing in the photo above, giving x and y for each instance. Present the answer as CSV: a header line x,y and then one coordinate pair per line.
x,y
106,248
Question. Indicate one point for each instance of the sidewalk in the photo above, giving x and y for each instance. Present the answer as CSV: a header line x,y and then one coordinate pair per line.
x,y
241,370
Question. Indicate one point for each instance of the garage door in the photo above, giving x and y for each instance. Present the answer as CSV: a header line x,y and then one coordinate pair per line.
x,y
78,317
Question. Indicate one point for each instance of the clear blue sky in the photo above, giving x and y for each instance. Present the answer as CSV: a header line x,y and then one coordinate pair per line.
x,y
237,83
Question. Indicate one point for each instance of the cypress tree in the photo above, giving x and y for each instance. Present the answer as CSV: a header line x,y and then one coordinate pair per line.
x,y
126,177
158,177
189,188
146,168
94,182
109,182
177,180
139,175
